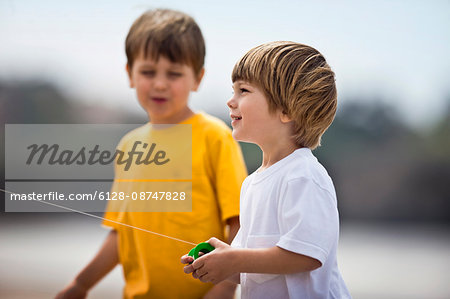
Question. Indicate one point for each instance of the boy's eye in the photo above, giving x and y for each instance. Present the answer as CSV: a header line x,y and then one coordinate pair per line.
x,y
148,73
243,90
175,74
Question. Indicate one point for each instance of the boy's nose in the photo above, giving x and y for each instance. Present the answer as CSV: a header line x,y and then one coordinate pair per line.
x,y
231,103
160,83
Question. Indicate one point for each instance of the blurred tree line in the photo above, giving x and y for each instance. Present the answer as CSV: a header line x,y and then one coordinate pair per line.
x,y
383,169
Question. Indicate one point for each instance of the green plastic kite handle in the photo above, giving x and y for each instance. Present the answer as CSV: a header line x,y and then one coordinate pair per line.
x,y
201,247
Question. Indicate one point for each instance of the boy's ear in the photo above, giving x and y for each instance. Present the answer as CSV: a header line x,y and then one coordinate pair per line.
x,y
199,79
128,69
284,117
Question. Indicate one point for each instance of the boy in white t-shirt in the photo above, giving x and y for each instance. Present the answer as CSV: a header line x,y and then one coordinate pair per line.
x,y
284,100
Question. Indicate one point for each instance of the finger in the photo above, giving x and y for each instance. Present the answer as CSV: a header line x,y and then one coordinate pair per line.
x,y
198,263
204,278
188,269
214,242
200,272
186,259
195,275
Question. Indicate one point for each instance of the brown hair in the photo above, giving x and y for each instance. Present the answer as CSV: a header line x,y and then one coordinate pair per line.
x,y
297,80
170,33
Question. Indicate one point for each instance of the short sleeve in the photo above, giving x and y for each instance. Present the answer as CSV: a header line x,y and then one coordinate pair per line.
x,y
115,209
308,219
113,212
237,241
230,173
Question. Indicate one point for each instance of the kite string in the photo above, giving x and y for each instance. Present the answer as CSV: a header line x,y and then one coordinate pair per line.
x,y
116,222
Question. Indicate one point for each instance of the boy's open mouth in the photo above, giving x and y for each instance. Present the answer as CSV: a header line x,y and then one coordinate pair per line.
x,y
159,100
234,117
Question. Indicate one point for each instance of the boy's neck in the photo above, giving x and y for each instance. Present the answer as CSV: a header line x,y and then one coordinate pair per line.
x,y
176,119
274,152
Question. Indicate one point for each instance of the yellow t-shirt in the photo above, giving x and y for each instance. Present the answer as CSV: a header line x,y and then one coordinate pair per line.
x,y
151,264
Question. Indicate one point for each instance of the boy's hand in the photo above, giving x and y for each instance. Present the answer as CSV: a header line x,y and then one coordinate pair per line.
x,y
186,259
214,266
72,291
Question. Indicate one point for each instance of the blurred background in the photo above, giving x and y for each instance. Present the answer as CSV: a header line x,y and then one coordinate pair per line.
x,y
388,150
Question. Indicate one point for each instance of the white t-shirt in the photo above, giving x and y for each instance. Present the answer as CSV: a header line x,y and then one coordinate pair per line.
x,y
292,205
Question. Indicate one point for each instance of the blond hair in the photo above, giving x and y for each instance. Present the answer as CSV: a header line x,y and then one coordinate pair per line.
x,y
297,80
170,33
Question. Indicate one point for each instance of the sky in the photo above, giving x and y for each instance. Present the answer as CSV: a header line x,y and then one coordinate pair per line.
x,y
391,51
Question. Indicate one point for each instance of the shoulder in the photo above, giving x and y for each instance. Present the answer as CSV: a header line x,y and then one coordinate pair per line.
x,y
133,135
211,124
212,129
305,168
247,181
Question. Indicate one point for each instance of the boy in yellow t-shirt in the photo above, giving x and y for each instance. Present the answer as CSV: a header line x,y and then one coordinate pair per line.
x,y
165,51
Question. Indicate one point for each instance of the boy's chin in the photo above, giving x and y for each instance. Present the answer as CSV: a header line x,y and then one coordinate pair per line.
x,y
235,135
239,138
